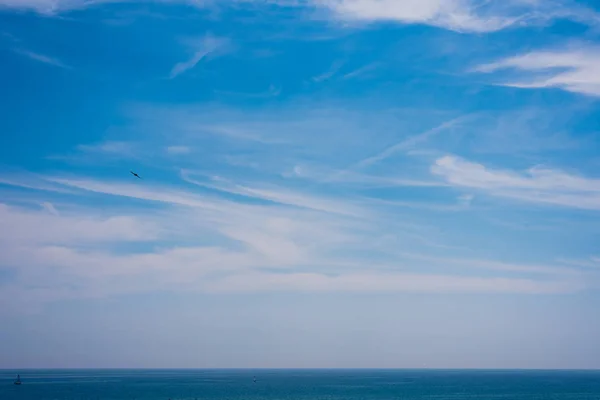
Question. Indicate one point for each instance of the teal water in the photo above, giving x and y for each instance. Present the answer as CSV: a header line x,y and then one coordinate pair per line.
x,y
299,385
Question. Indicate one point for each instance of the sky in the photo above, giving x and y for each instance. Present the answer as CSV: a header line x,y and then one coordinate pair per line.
x,y
324,184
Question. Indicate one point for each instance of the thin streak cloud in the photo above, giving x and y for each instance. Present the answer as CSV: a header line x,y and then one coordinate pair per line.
x,y
43,58
573,70
202,48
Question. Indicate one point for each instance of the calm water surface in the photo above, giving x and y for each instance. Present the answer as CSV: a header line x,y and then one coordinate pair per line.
x,y
298,385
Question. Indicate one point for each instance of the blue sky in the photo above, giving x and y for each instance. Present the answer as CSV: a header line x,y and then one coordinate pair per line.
x,y
326,183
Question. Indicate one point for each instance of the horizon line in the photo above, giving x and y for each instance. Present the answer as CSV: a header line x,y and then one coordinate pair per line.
x,y
295,369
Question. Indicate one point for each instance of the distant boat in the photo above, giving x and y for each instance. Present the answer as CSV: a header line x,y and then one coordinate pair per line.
x,y
18,380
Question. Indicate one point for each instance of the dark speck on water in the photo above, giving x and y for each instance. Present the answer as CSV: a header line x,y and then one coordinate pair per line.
x,y
300,385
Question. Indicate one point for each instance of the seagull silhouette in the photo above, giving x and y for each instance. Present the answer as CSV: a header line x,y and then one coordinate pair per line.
x,y
136,175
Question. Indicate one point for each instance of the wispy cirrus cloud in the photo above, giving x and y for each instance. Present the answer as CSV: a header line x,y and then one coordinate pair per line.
x,y
459,15
50,208
108,151
411,142
118,148
72,257
386,283
449,14
165,195
53,7
592,263
573,69
363,71
279,195
240,234
537,185
279,236
178,150
258,230
349,177
51,228
41,6
43,58
201,48
330,73
272,91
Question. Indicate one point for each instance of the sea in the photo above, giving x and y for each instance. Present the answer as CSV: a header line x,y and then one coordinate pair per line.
x,y
299,385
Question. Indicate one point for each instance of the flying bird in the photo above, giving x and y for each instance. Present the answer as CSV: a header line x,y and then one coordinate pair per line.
x,y
136,175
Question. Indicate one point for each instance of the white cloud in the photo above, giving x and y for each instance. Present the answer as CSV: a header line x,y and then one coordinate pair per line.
x,y
56,273
43,58
362,71
592,263
25,226
311,235
162,195
115,149
111,147
465,200
272,91
105,152
348,177
217,210
50,208
53,7
457,15
538,184
178,150
411,142
32,181
496,265
278,195
201,49
574,69
423,205
227,246
72,255
41,6
387,282
335,67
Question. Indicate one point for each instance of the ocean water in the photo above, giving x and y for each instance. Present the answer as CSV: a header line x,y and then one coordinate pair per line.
x,y
299,385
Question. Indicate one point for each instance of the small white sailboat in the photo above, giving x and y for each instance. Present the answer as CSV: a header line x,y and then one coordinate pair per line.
x,y
18,380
